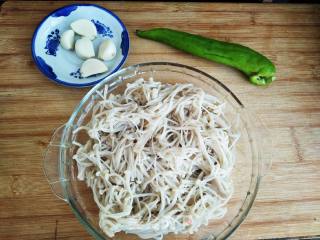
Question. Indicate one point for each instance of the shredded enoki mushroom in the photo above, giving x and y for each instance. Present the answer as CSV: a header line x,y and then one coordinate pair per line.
x,y
158,159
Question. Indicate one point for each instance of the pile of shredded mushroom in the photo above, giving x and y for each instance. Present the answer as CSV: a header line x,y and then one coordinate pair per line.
x,y
158,159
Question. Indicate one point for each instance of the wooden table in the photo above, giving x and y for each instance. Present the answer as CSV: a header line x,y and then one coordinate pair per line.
x,y
288,203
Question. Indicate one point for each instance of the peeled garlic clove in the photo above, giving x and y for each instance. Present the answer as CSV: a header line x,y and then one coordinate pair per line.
x,y
67,39
107,50
84,28
92,66
84,48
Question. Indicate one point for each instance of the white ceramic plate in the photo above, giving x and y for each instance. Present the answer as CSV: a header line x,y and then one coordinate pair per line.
x,y
63,66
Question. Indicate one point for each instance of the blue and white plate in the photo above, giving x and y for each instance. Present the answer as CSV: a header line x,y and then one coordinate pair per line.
x,y
63,66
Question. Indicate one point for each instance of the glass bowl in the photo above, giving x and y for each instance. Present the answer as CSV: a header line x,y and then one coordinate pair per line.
x,y
251,161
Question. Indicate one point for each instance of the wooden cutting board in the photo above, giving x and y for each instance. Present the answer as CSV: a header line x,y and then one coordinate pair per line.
x,y
288,203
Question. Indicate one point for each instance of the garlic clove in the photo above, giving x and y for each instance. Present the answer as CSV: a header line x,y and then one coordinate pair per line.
x,y
107,50
67,39
84,28
84,48
92,66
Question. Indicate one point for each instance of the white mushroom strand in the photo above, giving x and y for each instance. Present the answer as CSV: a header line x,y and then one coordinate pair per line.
x,y
158,159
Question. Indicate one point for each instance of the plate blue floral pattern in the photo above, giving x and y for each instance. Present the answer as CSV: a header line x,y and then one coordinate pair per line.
x,y
102,29
52,44
46,69
63,66
76,74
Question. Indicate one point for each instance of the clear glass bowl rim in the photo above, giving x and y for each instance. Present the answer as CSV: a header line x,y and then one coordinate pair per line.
x,y
254,184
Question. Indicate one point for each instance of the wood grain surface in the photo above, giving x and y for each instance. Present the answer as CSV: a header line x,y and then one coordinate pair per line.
x,y
288,203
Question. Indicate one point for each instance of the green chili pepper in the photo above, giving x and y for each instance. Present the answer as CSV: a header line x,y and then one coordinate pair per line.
x,y
257,67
